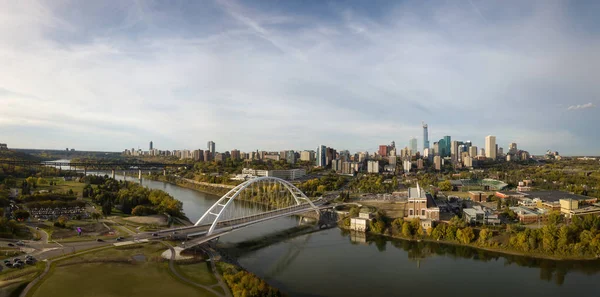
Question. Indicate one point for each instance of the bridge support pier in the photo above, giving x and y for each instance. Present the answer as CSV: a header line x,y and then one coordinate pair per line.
x,y
164,172
113,174
140,175
84,171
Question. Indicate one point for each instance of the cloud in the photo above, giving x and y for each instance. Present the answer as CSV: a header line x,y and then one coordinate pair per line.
x,y
279,76
582,106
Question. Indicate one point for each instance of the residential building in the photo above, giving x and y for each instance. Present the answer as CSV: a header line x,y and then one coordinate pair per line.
x,y
473,151
392,160
406,165
290,157
235,154
490,147
363,156
482,152
420,164
373,166
307,156
289,174
3,147
207,156
336,165
477,196
512,148
437,161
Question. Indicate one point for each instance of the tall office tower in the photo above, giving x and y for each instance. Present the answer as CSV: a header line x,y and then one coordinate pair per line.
x,y
412,145
437,161
445,144
482,152
473,151
436,149
512,148
211,147
151,146
321,158
500,151
425,137
290,157
490,147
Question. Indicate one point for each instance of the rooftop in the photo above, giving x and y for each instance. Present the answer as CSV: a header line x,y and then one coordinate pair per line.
x,y
553,196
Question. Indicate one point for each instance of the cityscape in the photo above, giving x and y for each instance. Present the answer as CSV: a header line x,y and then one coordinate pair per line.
x,y
235,148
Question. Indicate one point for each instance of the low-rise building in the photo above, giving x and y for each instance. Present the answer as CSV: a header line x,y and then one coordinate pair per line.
x,y
359,224
478,196
421,205
525,214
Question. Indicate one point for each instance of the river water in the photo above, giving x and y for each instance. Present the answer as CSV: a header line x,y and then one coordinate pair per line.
x,y
333,262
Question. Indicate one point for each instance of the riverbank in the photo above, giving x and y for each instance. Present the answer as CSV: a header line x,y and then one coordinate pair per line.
x,y
498,250
217,189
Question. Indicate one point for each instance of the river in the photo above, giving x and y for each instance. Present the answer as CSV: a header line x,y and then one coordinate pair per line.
x,y
333,262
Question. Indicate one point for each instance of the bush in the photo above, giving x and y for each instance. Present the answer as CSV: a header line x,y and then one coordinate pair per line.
x,y
142,210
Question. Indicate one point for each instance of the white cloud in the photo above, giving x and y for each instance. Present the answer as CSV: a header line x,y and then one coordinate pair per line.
x,y
582,106
276,80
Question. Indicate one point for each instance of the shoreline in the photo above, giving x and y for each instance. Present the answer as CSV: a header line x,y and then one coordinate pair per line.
x,y
487,249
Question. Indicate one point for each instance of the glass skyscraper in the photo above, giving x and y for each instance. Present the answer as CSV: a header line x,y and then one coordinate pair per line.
x,y
425,137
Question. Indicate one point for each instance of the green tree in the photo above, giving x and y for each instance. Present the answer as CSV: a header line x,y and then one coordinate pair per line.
x,y
106,208
445,186
465,235
407,230
21,215
555,218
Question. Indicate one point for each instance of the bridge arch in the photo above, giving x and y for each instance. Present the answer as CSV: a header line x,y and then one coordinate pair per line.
x,y
217,209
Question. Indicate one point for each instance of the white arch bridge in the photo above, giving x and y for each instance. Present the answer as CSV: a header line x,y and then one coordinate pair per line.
x,y
270,198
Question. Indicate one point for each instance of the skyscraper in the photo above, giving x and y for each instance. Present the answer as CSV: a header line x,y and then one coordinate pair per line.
x,y
425,137
412,145
151,147
490,147
321,158
444,146
211,148
512,148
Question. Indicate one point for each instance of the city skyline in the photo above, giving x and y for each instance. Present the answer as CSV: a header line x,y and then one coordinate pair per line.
x,y
348,75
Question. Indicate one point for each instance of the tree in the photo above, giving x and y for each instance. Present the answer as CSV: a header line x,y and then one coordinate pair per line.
x,y
555,218
484,237
465,235
499,204
96,216
106,208
406,229
445,186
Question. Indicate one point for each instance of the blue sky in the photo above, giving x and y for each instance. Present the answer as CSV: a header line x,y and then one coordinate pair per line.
x,y
273,75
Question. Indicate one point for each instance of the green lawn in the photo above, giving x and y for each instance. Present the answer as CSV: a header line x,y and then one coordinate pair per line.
x,y
198,273
75,276
114,279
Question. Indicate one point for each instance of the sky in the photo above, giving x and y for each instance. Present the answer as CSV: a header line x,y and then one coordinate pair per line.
x,y
275,75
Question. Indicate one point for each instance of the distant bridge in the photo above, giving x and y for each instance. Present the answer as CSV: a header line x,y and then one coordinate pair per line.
x,y
217,221
102,166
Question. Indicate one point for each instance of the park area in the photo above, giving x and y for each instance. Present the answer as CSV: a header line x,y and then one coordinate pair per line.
x,y
136,270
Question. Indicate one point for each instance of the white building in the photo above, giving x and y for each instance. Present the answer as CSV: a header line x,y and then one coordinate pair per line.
x,y
373,166
490,147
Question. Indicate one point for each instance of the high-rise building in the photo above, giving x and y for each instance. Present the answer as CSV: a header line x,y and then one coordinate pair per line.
x,y
211,148
512,148
151,146
454,153
482,152
444,147
437,161
490,147
235,154
362,156
425,137
321,158
307,156
500,151
207,156
473,151
290,157
412,145
373,166
383,150
406,165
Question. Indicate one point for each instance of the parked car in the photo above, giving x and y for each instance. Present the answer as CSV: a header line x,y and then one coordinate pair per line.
x,y
99,240
16,260
29,262
154,234
120,238
9,265
11,244
17,265
20,242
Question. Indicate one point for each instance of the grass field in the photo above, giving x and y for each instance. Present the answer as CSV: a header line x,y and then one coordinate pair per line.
x,y
115,279
81,276
197,272
392,209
